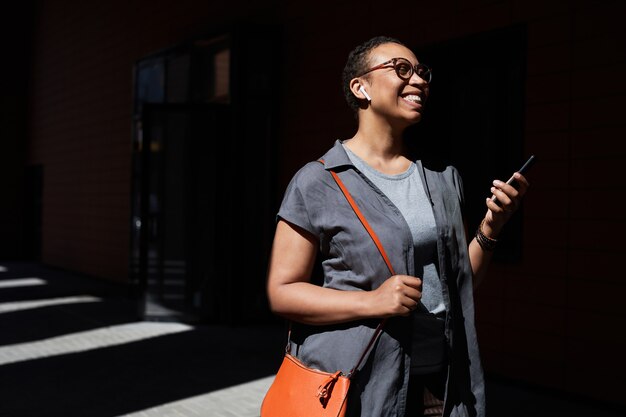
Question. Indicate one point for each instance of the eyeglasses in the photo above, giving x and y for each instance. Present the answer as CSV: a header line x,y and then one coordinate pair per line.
x,y
404,69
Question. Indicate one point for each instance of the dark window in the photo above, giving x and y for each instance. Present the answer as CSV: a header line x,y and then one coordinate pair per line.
x,y
202,165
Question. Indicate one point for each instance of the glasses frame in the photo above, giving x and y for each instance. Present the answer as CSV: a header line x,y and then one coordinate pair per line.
x,y
426,76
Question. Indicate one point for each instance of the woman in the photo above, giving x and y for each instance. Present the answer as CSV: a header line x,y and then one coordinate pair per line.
x,y
428,350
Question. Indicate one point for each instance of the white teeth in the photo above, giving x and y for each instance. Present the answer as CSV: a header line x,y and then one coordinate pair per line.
x,y
414,98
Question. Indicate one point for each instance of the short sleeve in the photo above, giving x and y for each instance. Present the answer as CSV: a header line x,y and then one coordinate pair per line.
x,y
302,198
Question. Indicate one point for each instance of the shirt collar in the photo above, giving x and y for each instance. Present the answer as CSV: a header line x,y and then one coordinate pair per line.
x,y
336,157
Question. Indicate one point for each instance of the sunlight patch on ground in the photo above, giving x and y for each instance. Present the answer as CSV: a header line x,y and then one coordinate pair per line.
x,y
30,304
88,340
22,282
242,400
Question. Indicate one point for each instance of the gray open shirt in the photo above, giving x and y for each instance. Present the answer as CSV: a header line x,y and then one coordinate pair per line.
x,y
350,261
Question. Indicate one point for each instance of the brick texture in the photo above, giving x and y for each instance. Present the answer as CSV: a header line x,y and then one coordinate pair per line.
x,y
533,317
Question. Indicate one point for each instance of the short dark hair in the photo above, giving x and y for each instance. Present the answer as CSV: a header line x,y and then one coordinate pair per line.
x,y
357,64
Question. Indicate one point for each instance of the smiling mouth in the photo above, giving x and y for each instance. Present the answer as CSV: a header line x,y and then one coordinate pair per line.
x,y
413,98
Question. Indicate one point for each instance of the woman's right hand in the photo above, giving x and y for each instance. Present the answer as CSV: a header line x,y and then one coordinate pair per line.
x,y
397,296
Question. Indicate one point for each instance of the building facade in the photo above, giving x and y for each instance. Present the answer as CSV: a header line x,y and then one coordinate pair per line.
x,y
184,121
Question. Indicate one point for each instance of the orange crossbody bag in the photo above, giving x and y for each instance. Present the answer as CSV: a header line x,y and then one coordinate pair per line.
x,y
300,391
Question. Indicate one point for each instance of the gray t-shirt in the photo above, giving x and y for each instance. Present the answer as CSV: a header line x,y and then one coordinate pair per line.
x,y
407,193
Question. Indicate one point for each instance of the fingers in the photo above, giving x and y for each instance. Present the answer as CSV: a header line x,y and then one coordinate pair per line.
x,y
399,295
522,182
508,194
494,207
411,292
413,282
500,200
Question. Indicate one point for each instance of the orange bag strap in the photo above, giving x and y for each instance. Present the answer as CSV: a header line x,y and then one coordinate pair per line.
x,y
363,220
383,253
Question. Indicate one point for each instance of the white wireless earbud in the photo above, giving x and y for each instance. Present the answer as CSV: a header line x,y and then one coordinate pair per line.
x,y
367,96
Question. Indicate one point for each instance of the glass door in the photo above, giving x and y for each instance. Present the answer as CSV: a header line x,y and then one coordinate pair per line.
x,y
177,222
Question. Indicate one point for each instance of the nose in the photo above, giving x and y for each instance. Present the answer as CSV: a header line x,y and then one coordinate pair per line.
x,y
418,81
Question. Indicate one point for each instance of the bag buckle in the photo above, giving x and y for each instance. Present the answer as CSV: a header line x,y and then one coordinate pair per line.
x,y
326,387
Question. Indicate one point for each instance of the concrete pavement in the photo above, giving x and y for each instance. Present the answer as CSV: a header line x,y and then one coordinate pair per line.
x,y
72,346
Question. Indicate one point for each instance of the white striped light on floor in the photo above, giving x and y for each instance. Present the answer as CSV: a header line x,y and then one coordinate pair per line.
x,y
12,306
243,400
21,282
87,340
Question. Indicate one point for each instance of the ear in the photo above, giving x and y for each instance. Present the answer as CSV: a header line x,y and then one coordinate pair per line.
x,y
355,86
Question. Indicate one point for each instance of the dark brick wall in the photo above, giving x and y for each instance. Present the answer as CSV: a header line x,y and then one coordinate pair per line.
x,y
553,320
80,119
16,46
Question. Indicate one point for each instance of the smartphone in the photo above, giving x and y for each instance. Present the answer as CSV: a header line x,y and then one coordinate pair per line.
x,y
524,169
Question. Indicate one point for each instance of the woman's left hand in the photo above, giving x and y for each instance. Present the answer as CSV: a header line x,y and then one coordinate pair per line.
x,y
508,200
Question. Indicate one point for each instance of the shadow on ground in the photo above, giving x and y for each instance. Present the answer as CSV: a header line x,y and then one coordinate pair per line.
x,y
119,379
135,376
116,380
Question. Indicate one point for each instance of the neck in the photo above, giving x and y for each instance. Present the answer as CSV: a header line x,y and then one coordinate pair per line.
x,y
379,140
381,147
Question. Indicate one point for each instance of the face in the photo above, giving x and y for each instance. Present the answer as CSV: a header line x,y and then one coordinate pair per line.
x,y
399,101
